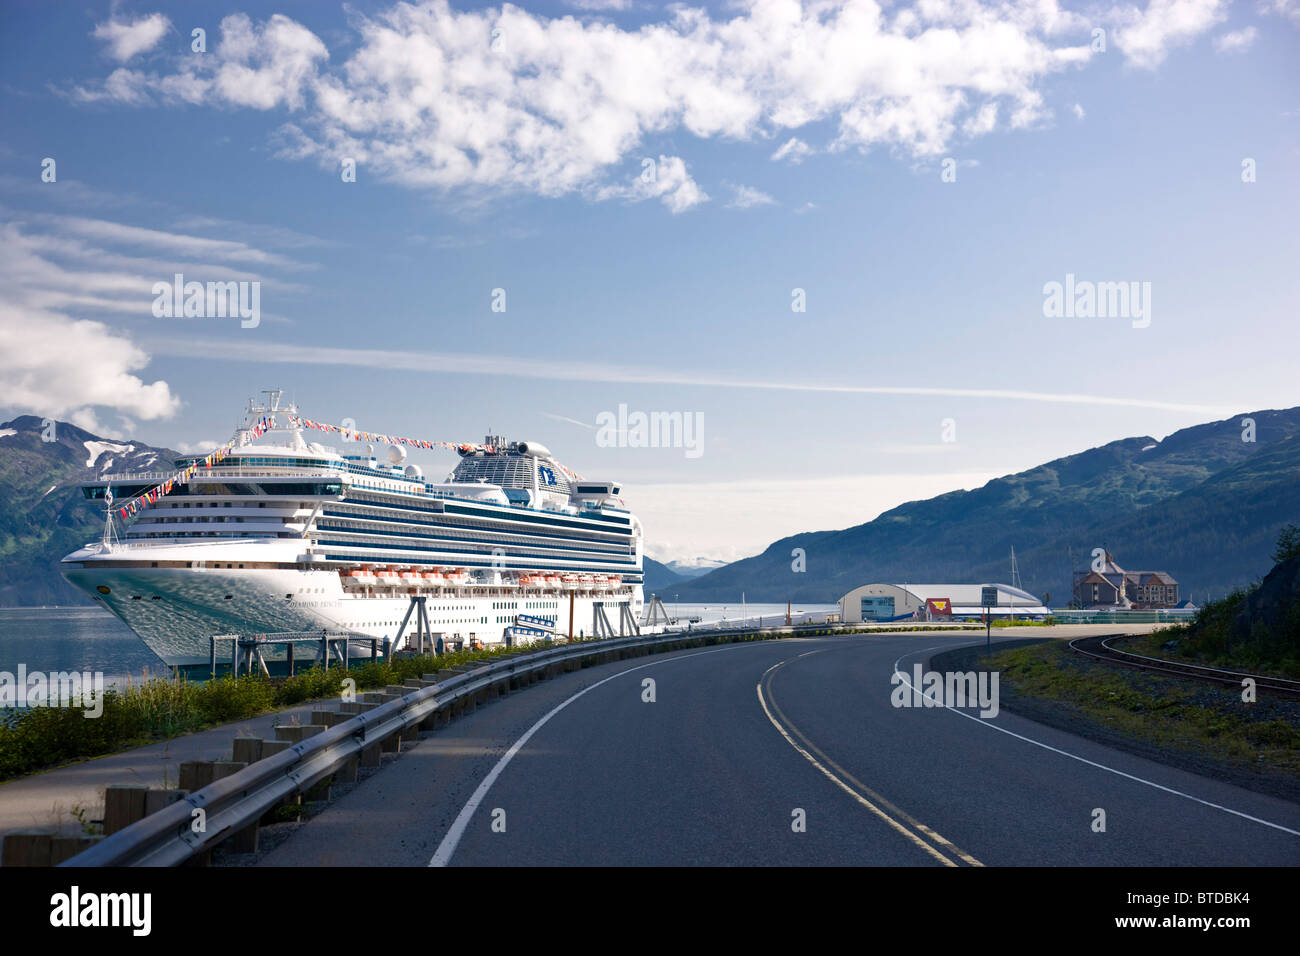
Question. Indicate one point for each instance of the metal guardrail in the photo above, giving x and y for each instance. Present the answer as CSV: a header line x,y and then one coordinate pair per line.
x,y
166,838
1122,616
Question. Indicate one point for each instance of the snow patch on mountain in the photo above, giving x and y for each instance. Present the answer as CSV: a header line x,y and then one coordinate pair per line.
x,y
96,448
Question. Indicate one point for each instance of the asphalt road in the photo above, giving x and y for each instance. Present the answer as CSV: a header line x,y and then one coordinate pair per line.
x,y
740,739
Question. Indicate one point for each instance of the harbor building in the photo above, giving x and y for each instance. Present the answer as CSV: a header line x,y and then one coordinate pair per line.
x,y
930,602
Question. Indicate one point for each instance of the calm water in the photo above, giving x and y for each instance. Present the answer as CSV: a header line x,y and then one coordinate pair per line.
x,y
65,639
709,613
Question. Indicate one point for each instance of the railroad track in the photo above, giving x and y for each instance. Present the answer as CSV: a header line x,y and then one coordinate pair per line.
x,y
1100,649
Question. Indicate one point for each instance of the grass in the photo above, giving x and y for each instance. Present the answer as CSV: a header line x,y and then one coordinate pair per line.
x,y
1199,720
1208,641
163,707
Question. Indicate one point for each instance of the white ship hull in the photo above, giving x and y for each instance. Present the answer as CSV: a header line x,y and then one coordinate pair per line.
x,y
176,611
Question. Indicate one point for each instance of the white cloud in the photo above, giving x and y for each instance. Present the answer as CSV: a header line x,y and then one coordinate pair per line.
x,y
1078,111
600,4
495,100
126,39
1237,41
196,448
259,67
667,180
460,363
55,366
59,275
794,149
1282,8
747,197
1146,36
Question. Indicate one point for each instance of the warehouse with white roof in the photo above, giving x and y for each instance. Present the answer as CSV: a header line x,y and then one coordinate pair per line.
x,y
897,602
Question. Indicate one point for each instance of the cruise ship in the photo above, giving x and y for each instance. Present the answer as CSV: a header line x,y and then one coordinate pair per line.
x,y
284,535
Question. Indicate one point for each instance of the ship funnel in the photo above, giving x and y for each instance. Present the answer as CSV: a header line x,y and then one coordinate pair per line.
x,y
534,449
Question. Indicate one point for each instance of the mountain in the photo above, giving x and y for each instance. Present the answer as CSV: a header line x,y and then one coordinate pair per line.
x,y
658,576
694,569
44,515
1204,505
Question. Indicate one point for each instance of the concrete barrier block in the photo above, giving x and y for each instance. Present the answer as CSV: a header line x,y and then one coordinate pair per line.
x,y
123,806
195,774
296,733
66,847
272,747
27,848
225,768
247,749
155,800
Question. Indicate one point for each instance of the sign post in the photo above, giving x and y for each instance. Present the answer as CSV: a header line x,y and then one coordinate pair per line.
x,y
989,598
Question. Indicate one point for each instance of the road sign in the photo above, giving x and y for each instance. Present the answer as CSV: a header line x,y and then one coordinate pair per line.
x,y
989,599
939,607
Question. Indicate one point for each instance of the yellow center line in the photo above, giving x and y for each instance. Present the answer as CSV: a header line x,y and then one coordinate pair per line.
x,y
851,785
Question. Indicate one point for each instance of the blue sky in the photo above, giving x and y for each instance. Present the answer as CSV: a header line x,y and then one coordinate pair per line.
x,y
793,148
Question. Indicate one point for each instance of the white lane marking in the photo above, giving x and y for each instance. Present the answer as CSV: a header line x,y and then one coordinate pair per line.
x,y
1091,763
442,856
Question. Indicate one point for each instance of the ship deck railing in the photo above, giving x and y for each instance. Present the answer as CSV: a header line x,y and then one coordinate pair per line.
x,y
266,472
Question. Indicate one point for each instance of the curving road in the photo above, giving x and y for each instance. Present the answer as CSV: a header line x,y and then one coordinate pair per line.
x,y
580,770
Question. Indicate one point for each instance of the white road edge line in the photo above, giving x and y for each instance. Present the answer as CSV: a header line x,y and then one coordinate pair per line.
x,y
1091,763
442,856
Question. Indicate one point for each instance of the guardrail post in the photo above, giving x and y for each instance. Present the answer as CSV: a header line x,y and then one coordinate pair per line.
x,y
349,771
